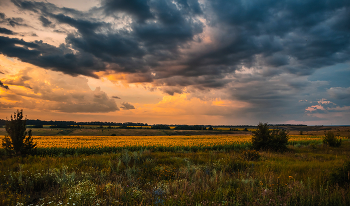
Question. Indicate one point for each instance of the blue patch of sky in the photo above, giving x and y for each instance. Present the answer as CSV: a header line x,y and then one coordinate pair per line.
x,y
336,75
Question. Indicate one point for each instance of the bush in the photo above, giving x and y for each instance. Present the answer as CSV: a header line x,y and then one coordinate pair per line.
x,y
18,143
266,139
331,140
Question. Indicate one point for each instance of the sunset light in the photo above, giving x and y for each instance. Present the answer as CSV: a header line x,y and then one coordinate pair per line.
x,y
174,102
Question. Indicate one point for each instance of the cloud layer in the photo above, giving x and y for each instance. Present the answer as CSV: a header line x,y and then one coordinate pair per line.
x,y
261,53
35,88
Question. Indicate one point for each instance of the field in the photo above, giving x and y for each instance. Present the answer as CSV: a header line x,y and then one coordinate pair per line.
x,y
56,145
196,168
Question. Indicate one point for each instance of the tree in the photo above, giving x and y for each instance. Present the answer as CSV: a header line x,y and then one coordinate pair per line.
x,y
266,139
331,140
19,141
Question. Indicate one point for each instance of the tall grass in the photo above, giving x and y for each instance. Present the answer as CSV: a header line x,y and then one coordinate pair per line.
x,y
141,176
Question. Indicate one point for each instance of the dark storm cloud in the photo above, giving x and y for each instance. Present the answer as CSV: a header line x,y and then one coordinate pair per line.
x,y
190,6
47,56
116,97
3,86
340,93
46,8
84,26
140,9
274,36
6,31
144,10
174,27
45,22
307,32
127,106
11,21
126,50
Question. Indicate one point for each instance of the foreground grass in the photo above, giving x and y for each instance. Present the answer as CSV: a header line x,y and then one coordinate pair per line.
x,y
298,177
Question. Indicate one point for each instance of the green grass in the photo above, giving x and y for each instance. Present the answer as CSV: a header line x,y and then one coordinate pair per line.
x,y
148,176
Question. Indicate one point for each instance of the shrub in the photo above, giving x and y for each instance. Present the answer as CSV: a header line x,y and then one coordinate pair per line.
x,y
251,155
266,139
18,143
331,140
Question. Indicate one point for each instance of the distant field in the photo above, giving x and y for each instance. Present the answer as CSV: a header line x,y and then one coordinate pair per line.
x,y
126,141
95,130
122,132
164,141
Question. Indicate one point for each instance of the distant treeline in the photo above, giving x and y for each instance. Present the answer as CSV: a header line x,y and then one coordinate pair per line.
x,y
128,125
183,127
72,124
277,125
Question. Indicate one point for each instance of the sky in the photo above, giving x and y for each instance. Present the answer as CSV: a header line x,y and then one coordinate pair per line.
x,y
222,62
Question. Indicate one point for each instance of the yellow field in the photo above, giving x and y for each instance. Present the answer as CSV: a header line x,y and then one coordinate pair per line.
x,y
171,141
118,141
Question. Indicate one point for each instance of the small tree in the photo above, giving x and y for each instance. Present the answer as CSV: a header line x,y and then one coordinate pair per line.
x,y
19,141
331,140
266,139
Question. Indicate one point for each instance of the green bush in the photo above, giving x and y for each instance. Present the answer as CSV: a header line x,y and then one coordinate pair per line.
x,y
266,139
331,140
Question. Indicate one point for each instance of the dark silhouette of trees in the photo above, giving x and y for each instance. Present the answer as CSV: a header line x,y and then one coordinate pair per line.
x,y
190,127
160,126
266,139
331,140
19,141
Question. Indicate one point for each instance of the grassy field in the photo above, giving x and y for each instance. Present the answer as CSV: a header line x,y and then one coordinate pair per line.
x,y
213,169
302,176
